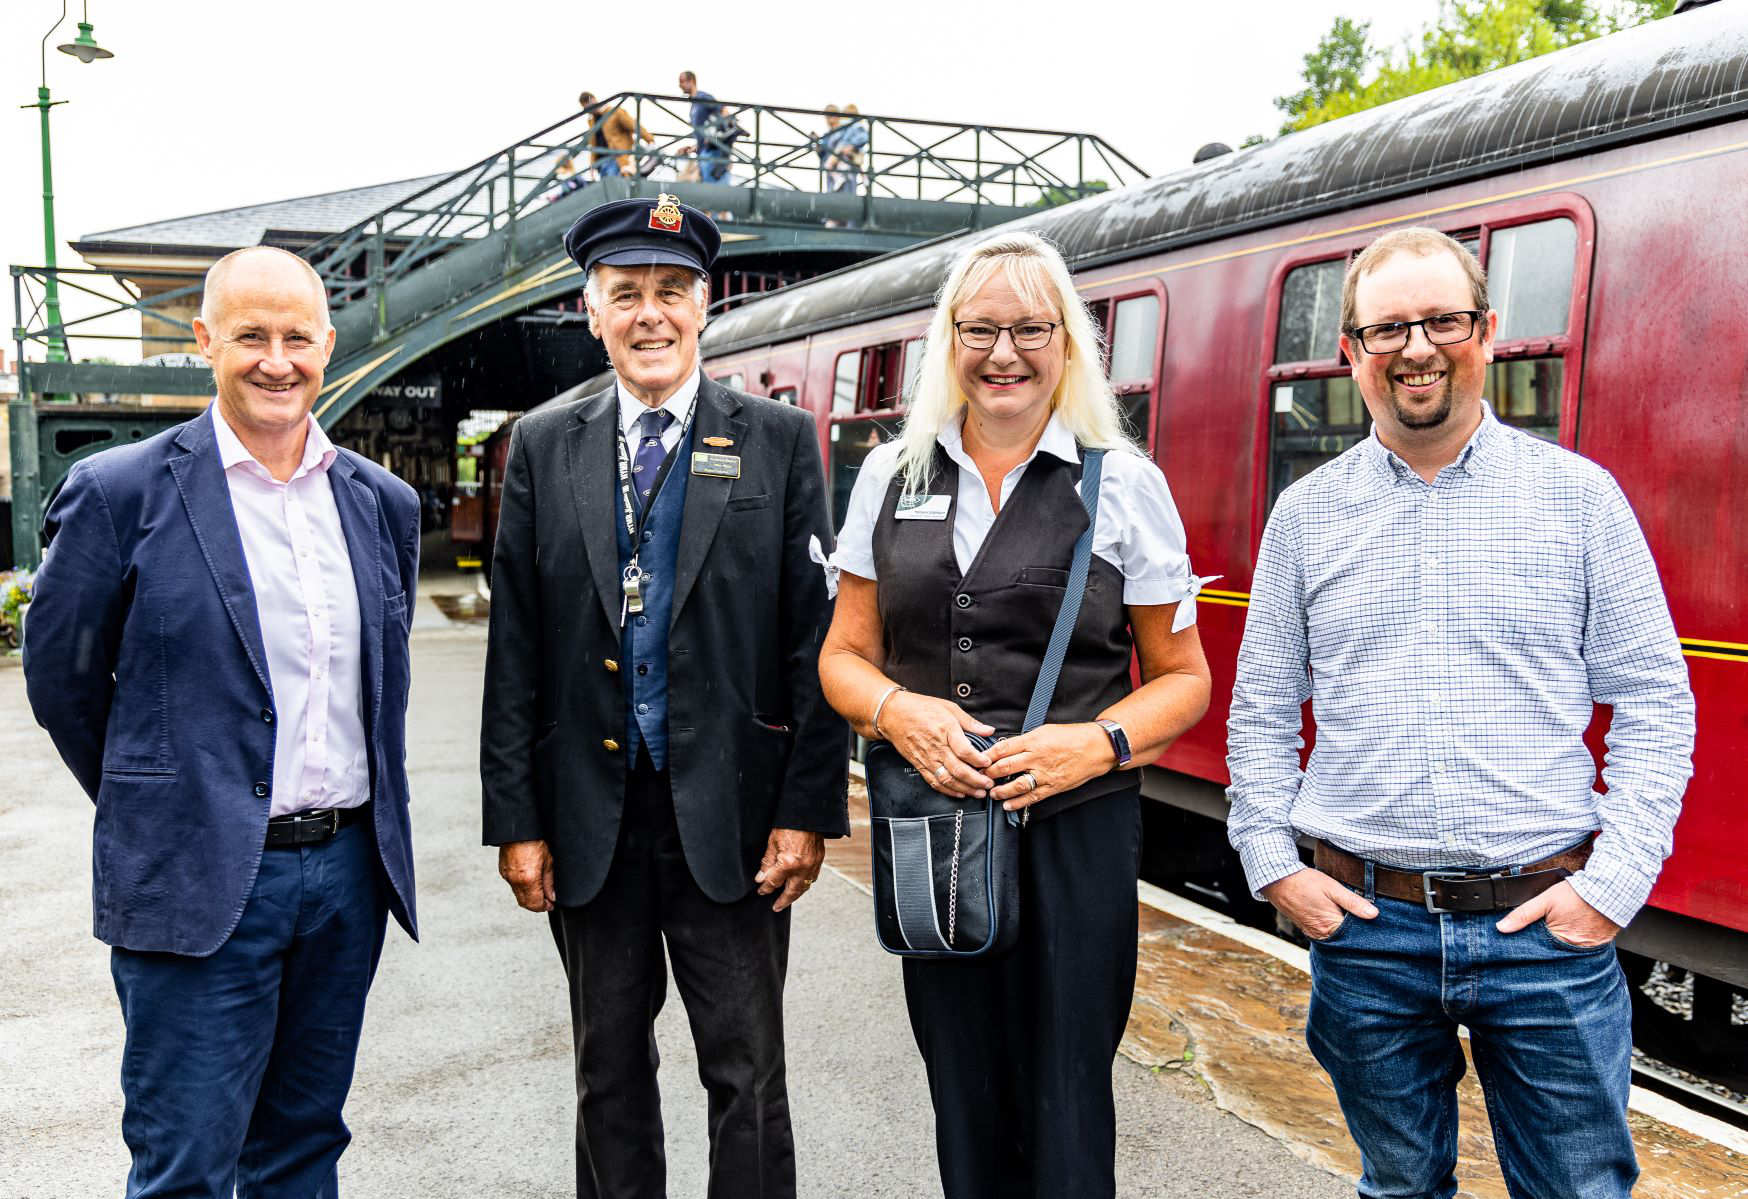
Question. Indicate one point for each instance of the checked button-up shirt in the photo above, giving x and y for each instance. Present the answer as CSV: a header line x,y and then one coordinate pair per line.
x,y
1452,638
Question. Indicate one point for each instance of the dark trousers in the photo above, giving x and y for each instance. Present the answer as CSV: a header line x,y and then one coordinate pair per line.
x,y
1019,1048
237,1064
729,963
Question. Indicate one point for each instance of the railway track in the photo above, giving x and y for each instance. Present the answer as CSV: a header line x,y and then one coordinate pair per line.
x,y
1691,1092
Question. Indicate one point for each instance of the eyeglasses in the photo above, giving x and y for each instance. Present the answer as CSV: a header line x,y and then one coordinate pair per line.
x,y
1447,328
982,335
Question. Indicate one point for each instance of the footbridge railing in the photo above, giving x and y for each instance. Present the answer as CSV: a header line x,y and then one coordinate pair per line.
x,y
766,153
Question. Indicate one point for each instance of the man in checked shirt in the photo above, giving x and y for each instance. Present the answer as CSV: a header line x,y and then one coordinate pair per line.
x,y
1453,596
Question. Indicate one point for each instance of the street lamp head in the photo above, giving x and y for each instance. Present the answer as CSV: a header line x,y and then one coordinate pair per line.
x,y
84,47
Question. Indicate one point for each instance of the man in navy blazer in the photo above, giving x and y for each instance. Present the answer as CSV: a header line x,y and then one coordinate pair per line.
x,y
218,647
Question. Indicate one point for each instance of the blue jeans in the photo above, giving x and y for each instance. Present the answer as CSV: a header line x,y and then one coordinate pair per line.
x,y
712,165
237,1064
1550,1029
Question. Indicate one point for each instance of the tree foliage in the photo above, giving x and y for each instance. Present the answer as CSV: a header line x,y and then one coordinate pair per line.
x,y
1347,74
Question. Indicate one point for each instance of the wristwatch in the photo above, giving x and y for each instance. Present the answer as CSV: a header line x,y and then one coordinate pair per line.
x,y
1119,741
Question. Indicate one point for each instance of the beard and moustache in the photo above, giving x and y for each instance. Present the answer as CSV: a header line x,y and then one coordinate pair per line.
x,y
1429,409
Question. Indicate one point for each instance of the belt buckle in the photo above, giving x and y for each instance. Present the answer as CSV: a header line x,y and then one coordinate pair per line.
x,y
1428,877
327,821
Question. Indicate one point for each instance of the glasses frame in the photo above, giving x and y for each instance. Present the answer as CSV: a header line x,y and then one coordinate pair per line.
x,y
1475,316
959,331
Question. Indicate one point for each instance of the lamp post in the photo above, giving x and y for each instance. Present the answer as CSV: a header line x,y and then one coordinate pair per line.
x,y
85,49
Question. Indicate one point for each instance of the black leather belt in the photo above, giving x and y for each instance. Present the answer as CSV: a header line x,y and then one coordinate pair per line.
x,y
311,828
1453,890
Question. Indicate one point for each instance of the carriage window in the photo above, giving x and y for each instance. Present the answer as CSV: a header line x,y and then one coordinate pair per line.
x,y
844,380
1310,324
1314,420
851,443
913,363
1135,339
1526,392
1529,272
787,395
1134,348
734,382
882,378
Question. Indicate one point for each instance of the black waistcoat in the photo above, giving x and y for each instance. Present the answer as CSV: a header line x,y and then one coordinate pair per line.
x,y
979,639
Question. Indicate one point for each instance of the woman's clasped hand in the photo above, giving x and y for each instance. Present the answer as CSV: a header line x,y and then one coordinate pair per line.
x,y
1049,760
930,733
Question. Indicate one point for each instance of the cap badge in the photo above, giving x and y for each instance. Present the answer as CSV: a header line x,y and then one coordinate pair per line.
x,y
666,215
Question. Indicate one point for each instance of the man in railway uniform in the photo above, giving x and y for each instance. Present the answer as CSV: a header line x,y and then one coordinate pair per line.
x,y
218,647
1454,596
658,762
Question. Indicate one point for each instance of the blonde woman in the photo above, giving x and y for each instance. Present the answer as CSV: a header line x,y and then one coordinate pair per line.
x,y
953,562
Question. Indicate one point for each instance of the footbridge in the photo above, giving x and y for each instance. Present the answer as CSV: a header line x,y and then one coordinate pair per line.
x,y
434,280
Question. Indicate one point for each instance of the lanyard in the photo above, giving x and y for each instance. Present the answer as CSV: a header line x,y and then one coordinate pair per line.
x,y
631,582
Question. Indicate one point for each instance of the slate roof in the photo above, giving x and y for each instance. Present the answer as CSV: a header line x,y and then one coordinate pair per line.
x,y
233,228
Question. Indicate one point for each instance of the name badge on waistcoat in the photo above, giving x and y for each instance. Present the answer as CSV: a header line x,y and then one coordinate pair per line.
x,y
922,507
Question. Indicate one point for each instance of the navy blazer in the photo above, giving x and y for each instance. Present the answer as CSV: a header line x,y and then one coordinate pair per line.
x,y
144,661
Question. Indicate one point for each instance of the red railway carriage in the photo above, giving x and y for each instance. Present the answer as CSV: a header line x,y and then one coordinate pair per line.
x,y
1603,186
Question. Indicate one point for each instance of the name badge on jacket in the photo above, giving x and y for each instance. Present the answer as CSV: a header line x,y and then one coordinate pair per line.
x,y
721,466
922,507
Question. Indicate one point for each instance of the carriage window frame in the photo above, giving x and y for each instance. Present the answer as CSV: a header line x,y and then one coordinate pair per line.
x,y
1102,306
1478,224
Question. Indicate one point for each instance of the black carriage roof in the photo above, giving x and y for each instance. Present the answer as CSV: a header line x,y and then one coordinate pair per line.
x,y
1666,75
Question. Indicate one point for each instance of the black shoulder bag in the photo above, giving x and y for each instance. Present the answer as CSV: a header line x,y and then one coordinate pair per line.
x,y
946,870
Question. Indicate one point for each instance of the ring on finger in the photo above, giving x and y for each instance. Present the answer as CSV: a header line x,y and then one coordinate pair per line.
x,y
1031,782
941,771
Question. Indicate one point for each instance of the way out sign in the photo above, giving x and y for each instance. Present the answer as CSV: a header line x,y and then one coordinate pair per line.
x,y
410,392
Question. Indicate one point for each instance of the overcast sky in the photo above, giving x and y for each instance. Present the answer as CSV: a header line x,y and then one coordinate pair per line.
x,y
212,104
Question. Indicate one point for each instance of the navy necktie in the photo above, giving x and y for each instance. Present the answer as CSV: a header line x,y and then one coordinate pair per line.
x,y
651,426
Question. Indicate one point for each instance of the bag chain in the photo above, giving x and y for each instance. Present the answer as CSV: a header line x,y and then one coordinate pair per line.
x,y
953,879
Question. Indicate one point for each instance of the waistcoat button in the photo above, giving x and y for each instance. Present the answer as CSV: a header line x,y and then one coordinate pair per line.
x,y
963,600
962,690
964,645
262,790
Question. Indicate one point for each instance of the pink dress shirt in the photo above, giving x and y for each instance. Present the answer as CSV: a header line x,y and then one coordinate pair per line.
x,y
307,604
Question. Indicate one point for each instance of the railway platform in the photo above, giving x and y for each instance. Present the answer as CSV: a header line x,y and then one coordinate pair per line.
x,y
463,1085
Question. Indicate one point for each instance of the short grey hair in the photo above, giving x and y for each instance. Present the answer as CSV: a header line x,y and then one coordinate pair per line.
x,y
700,296
220,271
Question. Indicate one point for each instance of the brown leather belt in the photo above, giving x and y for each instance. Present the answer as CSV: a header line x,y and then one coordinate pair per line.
x,y
1453,890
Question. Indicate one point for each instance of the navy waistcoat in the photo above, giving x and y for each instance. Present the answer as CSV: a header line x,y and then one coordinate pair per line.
x,y
644,643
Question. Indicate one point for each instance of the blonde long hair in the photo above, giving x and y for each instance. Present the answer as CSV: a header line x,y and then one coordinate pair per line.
x,y
1083,400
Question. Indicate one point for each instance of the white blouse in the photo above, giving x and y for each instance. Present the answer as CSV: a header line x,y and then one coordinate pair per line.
x,y
1138,531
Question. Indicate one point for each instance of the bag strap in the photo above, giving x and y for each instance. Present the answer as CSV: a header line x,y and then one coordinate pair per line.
x,y
1091,470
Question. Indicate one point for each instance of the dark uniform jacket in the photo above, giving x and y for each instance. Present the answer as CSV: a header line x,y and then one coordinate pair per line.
x,y
752,745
